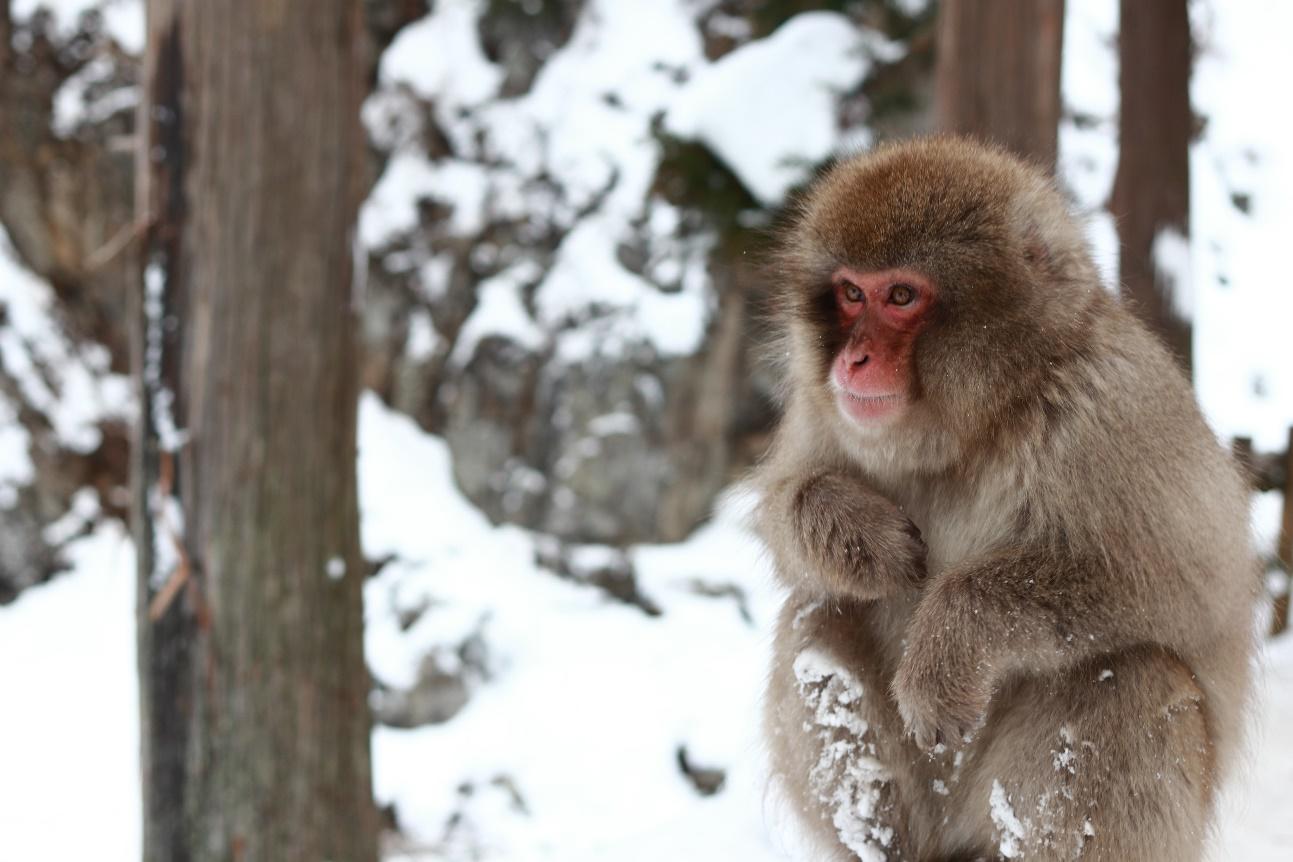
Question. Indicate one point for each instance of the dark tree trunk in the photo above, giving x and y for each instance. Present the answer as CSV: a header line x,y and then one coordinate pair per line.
x,y
998,73
1151,192
254,691
6,34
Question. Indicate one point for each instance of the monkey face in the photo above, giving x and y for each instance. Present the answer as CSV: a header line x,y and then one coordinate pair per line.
x,y
927,288
878,315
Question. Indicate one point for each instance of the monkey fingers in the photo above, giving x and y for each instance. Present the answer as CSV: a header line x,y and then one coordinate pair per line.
x,y
942,687
936,708
856,542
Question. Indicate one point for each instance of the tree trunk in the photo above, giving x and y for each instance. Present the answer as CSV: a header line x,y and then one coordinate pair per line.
x,y
6,35
998,73
254,691
1151,191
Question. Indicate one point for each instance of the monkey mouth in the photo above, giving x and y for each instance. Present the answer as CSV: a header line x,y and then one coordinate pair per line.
x,y
868,409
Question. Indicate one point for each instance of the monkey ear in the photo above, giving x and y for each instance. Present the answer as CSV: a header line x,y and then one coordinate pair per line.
x,y
1037,252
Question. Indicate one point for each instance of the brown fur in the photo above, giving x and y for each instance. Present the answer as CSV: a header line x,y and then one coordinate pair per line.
x,y
1076,624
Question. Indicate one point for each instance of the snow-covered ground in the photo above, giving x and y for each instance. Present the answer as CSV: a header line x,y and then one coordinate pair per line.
x,y
568,746
569,750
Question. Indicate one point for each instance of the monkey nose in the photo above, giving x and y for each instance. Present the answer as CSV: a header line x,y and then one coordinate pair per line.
x,y
858,362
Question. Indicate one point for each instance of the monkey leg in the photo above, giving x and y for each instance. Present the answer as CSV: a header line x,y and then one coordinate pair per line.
x,y
833,732
1111,761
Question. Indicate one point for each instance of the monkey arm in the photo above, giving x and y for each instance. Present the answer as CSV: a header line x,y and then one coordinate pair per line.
x,y
836,536
1021,609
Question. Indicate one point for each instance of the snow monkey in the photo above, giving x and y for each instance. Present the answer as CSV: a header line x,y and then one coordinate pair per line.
x,y
1020,587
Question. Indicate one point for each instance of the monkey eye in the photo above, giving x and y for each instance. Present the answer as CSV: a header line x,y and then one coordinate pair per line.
x,y
902,294
852,293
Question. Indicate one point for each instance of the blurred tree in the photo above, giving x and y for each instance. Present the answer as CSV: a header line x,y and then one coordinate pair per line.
x,y
1151,191
254,692
998,73
6,32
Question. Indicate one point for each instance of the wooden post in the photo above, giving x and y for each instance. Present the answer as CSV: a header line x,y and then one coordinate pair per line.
x,y
1151,190
998,73
6,34
254,694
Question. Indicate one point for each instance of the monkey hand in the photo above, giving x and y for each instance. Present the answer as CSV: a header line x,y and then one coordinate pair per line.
x,y
855,541
942,685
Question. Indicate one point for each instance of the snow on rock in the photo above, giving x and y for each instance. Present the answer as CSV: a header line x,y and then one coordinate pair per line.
x,y
391,207
16,468
576,152
587,274
73,105
579,151
768,108
123,20
500,311
574,737
68,383
587,119
456,73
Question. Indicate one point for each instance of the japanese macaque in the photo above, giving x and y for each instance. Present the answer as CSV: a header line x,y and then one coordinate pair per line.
x,y
1020,587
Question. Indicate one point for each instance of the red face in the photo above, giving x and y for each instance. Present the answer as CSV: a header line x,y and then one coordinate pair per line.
x,y
880,314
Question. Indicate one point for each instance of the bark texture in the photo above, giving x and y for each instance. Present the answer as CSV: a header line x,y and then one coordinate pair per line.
x,y
998,73
1151,191
254,716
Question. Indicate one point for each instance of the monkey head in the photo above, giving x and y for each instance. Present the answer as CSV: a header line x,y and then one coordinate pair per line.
x,y
926,286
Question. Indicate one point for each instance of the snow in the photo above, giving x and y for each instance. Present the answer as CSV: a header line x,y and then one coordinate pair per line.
x,y
673,322
795,75
335,568
567,134
847,777
586,702
423,340
69,734
1243,353
500,311
457,74
73,107
392,207
69,384
1003,817
605,691
1171,254
123,20
1088,135
16,468
1254,821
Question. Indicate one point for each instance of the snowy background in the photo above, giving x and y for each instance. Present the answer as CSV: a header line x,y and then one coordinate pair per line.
x,y
598,702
